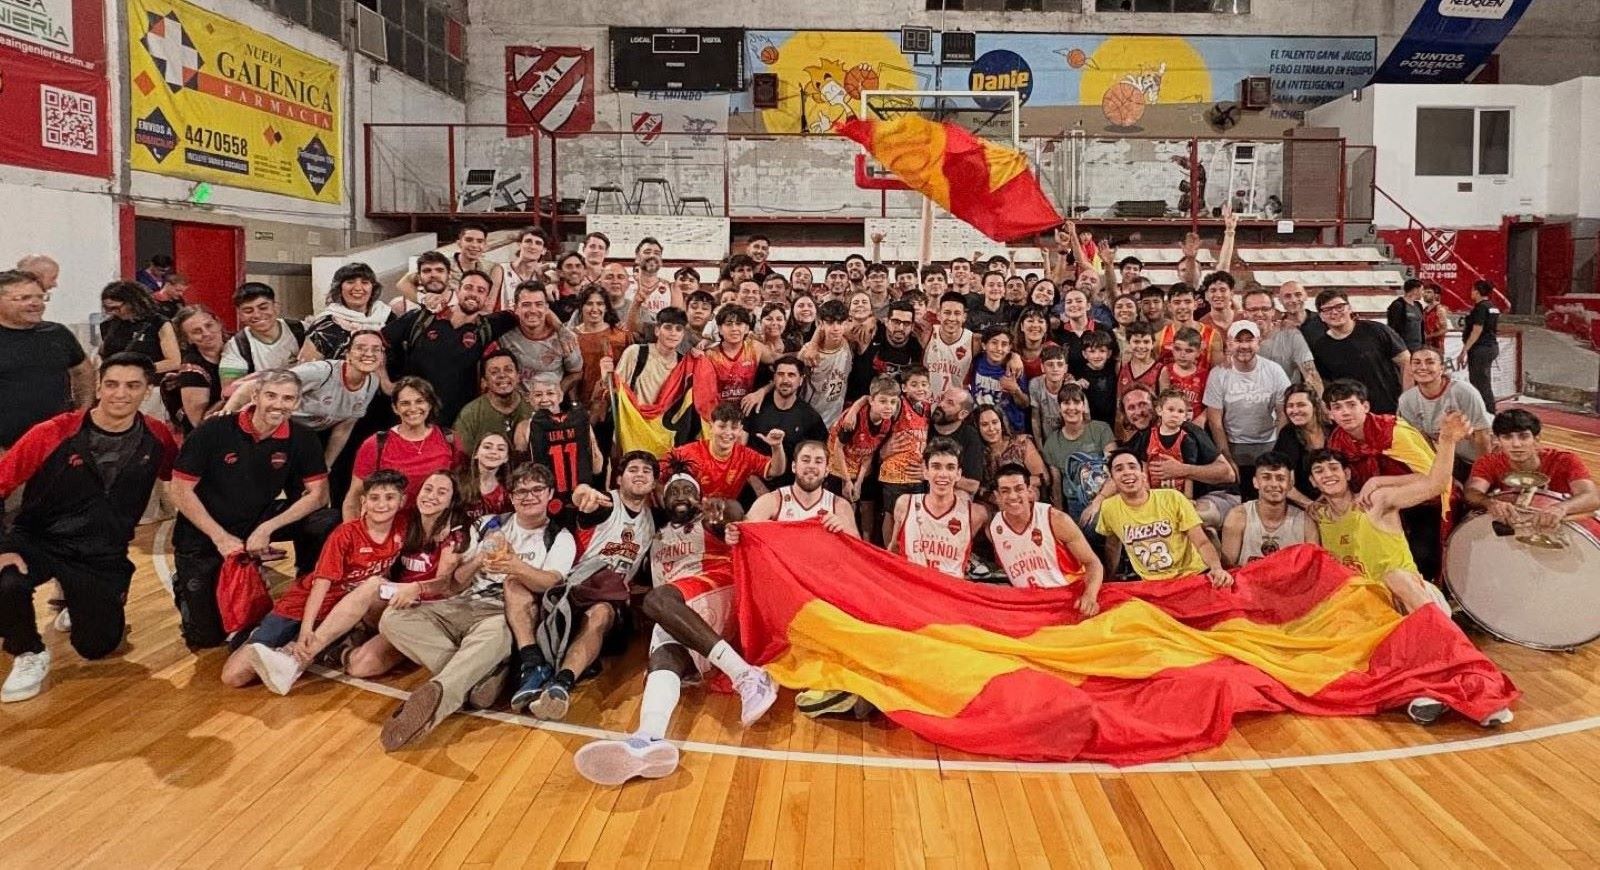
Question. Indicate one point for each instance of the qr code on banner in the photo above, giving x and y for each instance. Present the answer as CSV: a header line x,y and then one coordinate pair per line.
x,y
69,121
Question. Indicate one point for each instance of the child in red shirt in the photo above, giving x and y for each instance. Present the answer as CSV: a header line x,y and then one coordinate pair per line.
x,y
357,550
723,465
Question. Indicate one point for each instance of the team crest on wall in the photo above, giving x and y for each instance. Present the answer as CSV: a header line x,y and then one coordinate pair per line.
x,y
550,87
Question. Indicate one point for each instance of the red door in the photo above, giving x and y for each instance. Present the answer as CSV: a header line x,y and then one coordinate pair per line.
x,y
211,256
1555,261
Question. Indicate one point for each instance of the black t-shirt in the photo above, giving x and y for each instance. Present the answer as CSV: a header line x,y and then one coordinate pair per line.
x,y
800,422
1312,328
238,476
1365,355
1487,316
1405,318
562,442
880,358
1101,392
34,376
197,372
111,450
1290,445
1072,344
443,355
132,336
979,317
974,456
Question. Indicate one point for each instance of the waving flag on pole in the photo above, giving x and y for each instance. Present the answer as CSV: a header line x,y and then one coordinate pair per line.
x,y
989,186
1161,670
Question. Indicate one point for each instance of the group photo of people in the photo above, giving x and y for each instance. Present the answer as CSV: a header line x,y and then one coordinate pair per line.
x,y
508,473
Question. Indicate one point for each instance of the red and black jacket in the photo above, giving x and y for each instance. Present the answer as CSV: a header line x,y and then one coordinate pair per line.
x,y
66,502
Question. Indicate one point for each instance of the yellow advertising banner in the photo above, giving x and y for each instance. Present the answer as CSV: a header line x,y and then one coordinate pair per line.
x,y
218,102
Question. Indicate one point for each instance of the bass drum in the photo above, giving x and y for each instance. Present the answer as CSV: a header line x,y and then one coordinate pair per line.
x,y
1531,596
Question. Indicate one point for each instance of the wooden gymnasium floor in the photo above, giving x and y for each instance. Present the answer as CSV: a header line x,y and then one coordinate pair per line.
x,y
146,761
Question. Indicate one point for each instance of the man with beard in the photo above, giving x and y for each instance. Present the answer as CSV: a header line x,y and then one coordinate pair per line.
x,y
541,343
588,616
444,347
1210,471
692,606
1267,523
892,348
472,240
647,290
757,247
1244,401
226,483
784,410
947,419
1038,546
85,477
500,408
573,273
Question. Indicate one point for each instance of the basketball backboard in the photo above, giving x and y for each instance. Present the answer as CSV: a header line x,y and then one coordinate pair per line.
x,y
991,115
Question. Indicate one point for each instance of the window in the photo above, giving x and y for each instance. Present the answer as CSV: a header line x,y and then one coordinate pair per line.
x,y
946,5
1225,7
1463,142
424,41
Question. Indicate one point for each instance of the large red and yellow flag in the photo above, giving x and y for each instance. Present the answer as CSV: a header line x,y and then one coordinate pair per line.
x,y
656,426
987,185
1162,670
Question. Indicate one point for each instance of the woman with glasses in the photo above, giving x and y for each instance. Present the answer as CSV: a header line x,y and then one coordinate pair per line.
x,y
334,394
134,323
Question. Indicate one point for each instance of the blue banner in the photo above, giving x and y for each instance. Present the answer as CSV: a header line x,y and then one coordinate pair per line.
x,y
1449,40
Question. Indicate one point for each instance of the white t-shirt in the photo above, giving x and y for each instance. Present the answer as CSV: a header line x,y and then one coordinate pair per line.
x,y
324,399
528,544
1250,399
276,355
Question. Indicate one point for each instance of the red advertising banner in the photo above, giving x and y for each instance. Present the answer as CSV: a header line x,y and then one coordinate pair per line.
x,y
549,87
1453,258
53,90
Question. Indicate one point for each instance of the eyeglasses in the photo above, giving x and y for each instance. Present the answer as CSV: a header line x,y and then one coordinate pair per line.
x,y
524,494
1335,308
1260,310
901,321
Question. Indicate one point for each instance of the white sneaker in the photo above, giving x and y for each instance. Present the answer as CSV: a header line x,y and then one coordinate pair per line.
x,y
27,677
62,622
614,762
1502,716
277,669
1425,711
757,693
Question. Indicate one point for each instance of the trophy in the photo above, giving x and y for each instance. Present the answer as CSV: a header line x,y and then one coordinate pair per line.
x,y
1527,484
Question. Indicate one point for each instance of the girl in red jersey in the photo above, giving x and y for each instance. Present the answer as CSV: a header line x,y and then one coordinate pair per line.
x,y
435,536
483,484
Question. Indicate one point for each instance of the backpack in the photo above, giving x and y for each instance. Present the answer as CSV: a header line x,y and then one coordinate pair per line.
x,y
241,342
1082,478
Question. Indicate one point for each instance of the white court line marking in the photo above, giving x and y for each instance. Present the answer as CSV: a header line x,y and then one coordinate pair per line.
x,y
163,571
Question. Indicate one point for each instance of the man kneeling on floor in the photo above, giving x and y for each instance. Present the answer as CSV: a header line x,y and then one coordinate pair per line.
x,y
692,606
463,640
86,477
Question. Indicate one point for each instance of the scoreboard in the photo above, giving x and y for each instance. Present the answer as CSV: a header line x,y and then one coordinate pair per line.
x,y
677,59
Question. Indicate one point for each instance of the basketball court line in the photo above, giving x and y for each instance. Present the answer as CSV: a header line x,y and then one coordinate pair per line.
x,y
163,569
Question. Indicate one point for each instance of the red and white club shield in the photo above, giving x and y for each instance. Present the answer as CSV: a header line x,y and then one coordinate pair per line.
x,y
647,126
551,87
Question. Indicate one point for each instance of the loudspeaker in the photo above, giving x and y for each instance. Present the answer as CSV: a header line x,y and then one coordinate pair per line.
x,y
764,90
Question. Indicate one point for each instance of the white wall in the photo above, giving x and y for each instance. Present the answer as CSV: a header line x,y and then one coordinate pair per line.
x,y
1387,115
44,215
1575,148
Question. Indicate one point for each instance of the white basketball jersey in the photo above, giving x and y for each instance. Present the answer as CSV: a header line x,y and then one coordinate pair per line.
x,y
790,509
1259,541
827,380
941,542
948,364
686,551
1032,558
615,544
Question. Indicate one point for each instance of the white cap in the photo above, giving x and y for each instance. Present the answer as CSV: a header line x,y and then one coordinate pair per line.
x,y
1244,326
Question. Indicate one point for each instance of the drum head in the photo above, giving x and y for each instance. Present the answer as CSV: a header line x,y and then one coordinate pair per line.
x,y
1535,597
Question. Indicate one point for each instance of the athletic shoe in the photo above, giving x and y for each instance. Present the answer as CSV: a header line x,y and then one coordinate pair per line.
x,y
485,694
551,702
1502,716
1425,711
277,669
757,693
1438,597
533,680
413,719
825,702
614,762
27,677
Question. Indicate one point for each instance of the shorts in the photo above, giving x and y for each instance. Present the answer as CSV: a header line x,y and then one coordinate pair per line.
x,y
891,493
276,630
712,600
1220,500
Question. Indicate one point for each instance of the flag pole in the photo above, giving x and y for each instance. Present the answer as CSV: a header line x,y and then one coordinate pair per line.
x,y
925,249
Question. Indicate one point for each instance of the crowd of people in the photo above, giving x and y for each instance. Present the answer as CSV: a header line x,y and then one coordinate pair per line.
x,y
456,469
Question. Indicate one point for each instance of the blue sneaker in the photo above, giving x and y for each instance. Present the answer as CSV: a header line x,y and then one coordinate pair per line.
x,y
533,679
551,702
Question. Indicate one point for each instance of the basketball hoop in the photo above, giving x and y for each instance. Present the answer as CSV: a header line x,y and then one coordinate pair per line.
x,y
867,179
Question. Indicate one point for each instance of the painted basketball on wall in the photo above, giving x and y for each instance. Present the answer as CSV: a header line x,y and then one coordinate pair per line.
x,y
1123,104
1126,75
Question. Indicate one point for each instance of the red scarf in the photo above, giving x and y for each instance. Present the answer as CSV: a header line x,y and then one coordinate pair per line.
x,y
1367,457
